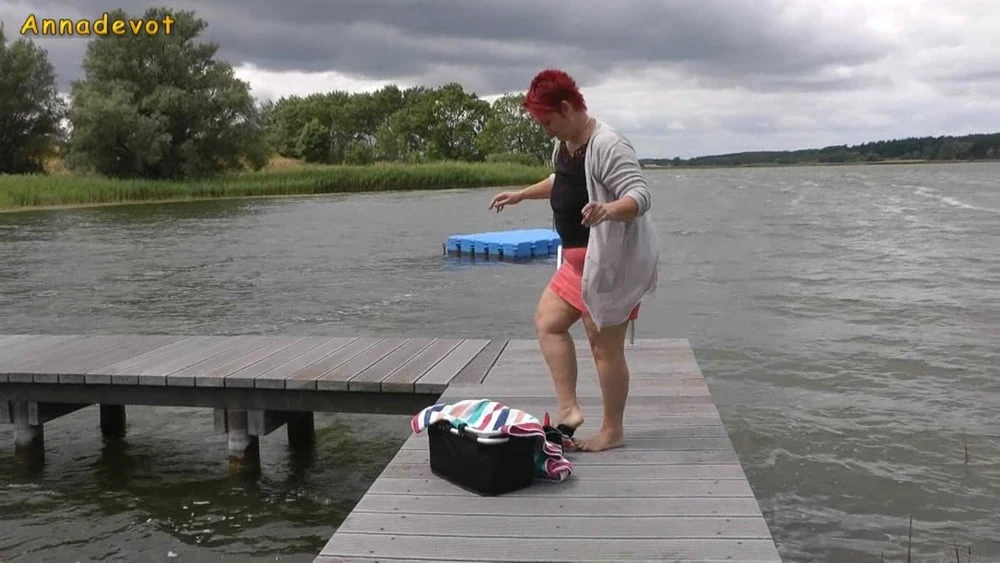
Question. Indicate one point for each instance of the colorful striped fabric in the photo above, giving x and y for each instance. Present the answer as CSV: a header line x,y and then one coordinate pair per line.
x,y
490,419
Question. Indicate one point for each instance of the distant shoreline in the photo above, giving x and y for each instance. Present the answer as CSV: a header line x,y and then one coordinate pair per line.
x,y
812,164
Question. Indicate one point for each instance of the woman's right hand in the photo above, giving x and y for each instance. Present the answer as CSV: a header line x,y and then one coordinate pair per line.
x,y
506,198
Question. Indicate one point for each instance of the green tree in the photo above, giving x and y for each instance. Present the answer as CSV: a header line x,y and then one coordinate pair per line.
x,y
453,119
314,142
510,130
162,106
30,107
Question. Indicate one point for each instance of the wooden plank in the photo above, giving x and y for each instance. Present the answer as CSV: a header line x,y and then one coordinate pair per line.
x,y
217,377
644,411
16,356
68,358
306,377
646,363
577,488
160,370
671,407
12,341
15,367
622,456
634,425
370,378
276,377
11,338
336,379
237,347
13,349
71,370
524,374
659,432
518,387
475,371
522,345
26,347
402,380
504,505
122,371
566,527
641,345
437,378
246,376
537,549
132,348
646,404
615,473
154,370
633,443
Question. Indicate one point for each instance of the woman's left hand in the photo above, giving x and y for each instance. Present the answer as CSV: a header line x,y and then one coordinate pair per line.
x,y
594,213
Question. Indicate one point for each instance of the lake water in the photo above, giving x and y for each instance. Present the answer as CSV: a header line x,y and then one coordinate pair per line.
x,y
847,320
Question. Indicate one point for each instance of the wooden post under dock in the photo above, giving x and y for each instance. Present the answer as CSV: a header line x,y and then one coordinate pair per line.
x,y
676,491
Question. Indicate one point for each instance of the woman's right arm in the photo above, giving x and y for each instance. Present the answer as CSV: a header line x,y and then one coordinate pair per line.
x,y
540,190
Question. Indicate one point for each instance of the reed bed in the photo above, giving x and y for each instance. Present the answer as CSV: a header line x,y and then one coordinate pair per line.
x,y
58,190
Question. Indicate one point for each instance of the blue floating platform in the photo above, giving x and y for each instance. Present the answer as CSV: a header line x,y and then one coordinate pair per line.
x,y
525,243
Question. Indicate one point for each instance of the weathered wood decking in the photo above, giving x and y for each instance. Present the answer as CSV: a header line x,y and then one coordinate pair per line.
x,y
391,365
675,492
256,383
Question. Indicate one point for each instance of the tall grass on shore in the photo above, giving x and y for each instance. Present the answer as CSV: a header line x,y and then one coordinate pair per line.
x,y
20,192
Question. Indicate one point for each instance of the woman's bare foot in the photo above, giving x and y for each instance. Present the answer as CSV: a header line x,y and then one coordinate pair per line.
x,y
571,418
603,440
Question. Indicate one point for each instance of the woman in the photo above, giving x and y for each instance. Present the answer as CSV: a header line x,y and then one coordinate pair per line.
x,y
600,203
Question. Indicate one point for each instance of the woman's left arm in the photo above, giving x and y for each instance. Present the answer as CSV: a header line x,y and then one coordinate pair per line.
x,y
623,177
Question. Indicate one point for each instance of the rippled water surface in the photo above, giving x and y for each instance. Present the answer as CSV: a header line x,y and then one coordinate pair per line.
x,y
847,320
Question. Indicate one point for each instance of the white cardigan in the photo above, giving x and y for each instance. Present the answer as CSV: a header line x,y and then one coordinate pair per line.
x,y
622,256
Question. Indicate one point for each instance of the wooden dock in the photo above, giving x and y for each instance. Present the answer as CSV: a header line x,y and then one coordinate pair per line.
x,y
676,491
256,384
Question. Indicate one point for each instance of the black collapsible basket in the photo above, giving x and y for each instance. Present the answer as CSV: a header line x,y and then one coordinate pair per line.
x,y
487,466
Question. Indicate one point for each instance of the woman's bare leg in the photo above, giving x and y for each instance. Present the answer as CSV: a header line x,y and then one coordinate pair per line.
x,y
553,319
608,348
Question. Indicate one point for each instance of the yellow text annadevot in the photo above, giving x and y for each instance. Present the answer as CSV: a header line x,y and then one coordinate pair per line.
x,y
103,25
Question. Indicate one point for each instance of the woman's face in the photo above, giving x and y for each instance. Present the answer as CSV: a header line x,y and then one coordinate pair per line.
x,y
558,124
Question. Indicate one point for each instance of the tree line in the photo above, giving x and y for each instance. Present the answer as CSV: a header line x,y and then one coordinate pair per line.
x,y
164,106
413,125
944,148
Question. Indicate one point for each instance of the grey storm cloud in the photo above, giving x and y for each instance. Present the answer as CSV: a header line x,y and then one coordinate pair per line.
x,y
492,47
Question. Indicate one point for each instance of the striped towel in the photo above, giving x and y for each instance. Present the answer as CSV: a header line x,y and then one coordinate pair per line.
x,y
490,419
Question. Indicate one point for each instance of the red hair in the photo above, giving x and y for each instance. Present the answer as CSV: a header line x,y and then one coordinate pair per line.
x,y
549,89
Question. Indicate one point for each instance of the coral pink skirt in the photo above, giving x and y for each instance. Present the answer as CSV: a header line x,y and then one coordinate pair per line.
x,y
568,280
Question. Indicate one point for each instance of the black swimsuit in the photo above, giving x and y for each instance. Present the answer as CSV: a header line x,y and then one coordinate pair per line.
x,y
569,196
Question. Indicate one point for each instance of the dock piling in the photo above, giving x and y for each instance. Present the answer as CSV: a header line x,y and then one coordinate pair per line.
x,y
244,448
29,432
301,430
113,421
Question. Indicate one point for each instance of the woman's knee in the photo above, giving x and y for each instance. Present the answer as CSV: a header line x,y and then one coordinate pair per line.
x,y
553,315
607,344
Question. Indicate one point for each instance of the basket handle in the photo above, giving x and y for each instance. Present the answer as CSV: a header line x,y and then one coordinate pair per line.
x,y
461,431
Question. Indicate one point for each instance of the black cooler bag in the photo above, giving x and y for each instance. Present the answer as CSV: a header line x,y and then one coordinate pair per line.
x,y
487,466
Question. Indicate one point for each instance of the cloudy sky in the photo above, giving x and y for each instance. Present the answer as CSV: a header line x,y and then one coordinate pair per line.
x,y
680,77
